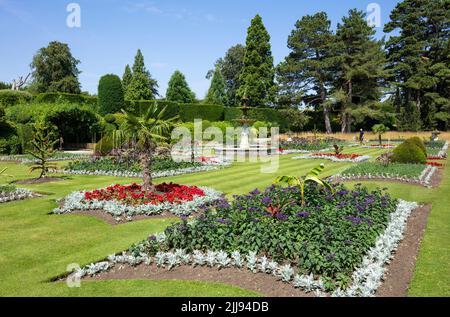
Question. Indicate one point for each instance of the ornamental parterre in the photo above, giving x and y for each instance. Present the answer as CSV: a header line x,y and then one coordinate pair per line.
x,y
337,245
353,158
131,200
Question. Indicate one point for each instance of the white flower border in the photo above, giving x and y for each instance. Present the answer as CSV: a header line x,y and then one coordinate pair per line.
x,y
424,179
18,194
24,160
379,147
359,159
365,279
76,201
159,174
443,152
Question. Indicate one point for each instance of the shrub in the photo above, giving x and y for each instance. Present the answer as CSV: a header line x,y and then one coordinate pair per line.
x,y
189,112
409,152
60,97
13,97
104,146
419,143
139,107
110,94
110,118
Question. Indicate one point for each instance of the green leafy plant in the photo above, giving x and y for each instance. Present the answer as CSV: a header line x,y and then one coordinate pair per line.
x,y
300,182
43,144
148,130
380,129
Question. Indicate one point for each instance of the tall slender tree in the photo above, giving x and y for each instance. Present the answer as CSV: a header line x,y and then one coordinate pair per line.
x,y
178,89
307,72
126,78
361,67
231,67
216,93
257,75
419,56
142,86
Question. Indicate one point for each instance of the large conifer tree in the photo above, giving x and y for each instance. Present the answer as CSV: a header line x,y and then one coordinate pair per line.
x,y
216,93
142,86
257,75
178,89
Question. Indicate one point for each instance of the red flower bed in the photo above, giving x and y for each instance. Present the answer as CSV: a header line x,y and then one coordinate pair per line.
x,y
435,158
382,146
133,194
338,156
435,164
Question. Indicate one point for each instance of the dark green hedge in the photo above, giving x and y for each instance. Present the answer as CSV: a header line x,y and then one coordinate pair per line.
x,y
53,97
110,94
13,97
140,107
189,112
231,113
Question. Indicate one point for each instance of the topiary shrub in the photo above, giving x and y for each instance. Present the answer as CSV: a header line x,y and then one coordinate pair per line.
x,y
13,97
110,94
409,152
419,143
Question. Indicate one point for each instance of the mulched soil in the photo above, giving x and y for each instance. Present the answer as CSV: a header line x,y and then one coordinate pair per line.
x,y
395,284
41,180
435,180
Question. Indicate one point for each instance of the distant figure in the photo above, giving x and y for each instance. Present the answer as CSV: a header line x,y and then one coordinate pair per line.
x,y
361,136
61,142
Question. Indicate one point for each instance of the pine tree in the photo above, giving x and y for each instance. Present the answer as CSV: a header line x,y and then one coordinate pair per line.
x,y
231,67
126,78
216,93
178,89
257,76
308,70
361,71
419,59
142,86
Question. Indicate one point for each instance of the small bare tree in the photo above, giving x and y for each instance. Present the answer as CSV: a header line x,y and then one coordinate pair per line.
x,y
20,82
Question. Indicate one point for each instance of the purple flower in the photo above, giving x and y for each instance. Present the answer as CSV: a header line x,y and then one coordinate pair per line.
x,y
354,220
342,192
303,214
184,218
341,204
266,200
330,256
282,217
348,242
355,194
255,192
223,221
256,220
361,208
152,238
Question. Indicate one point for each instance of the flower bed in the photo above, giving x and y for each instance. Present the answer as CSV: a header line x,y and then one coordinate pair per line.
x,y
310,145
410,173
435,164
161,167
377,146
28,159
337,244
354,158
128,201
437,149
7,195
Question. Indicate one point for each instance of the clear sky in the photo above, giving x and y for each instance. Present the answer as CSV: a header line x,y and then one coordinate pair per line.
x,y
187,35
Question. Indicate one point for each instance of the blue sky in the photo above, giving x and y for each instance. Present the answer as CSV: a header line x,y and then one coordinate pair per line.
x,y
187,35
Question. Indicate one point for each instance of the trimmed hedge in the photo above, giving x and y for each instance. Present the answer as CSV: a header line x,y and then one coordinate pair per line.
x,y
13,97
190,112
141,106
56,97
419,143
110,94
409,152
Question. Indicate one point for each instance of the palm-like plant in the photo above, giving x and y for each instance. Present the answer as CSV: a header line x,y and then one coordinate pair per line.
x,y
43,144
148,131
301,182
380,129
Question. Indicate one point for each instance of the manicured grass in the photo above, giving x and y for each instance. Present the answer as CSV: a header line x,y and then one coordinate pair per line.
x,y
36,246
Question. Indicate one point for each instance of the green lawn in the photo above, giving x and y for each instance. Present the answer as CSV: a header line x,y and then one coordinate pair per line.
x,y
36,246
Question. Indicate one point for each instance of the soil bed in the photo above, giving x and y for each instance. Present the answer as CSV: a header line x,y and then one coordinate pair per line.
x,y
396,282
41,180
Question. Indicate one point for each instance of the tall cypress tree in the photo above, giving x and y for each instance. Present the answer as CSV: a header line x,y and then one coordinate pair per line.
x,y
178,89
419,59
216,93
257,76
361,68
307,72
142,86
127,77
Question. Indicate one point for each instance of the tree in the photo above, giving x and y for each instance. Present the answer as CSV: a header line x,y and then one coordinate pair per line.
x,y
43,144
361,67
231,67
308,71
126,78
380,129
418,56
216,93
110,94
141,86
178,89
148,130
55,69
257,75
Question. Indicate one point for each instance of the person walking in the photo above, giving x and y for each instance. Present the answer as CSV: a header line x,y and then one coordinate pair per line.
x,y
361,136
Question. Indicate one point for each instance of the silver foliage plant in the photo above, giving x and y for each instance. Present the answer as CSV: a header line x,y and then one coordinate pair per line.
x,y
17,194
